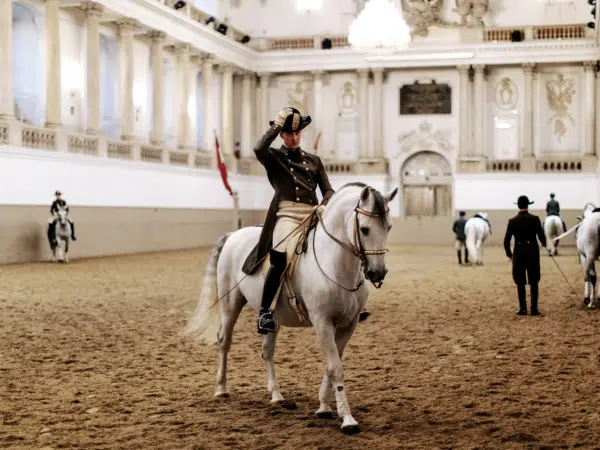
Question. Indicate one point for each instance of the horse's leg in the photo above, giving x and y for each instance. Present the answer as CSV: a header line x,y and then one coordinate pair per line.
x,y
67,250
268,354
342,336
586,282
479,252
592,282
231,306
335,372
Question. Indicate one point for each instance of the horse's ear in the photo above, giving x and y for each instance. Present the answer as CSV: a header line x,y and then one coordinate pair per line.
x,y
389,197
364,194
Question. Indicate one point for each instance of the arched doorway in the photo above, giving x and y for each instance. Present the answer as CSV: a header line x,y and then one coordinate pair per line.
x,y
427,185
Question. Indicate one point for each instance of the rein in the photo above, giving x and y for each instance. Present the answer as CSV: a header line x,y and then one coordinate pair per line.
x,y
358,249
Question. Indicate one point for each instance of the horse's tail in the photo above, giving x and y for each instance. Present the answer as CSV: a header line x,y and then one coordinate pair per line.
x,y
206,319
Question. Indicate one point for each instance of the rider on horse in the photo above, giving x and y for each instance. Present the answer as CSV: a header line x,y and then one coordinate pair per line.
x,y
294,175
56,204
553,209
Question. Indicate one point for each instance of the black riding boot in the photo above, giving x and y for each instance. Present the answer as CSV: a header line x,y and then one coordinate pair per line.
x,y
266,320
51,237
534,299
73,231
564,226
522,303
466,256
459,254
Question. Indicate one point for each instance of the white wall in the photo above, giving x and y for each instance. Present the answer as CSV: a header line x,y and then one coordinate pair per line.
x,y
500,191
30,177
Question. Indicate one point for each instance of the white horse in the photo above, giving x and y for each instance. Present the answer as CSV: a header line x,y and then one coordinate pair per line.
x,y
62,234
553,226
588,247
477,230
346,246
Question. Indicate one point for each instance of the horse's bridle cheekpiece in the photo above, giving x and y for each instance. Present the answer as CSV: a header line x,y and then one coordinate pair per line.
x,y
357,249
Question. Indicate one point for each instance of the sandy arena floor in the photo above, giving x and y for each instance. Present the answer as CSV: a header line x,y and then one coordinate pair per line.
x,y
90,358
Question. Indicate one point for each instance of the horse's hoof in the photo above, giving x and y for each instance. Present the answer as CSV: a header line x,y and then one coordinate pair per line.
x,y
586,301
351,429
285,404
222,395
325,415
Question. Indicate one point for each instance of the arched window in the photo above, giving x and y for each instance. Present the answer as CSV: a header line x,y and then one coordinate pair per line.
x,y
29,73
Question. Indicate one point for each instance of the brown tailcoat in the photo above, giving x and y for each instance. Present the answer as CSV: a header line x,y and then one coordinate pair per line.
x,y
294,176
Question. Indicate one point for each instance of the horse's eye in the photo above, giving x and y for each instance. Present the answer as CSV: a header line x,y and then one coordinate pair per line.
x,y
364,230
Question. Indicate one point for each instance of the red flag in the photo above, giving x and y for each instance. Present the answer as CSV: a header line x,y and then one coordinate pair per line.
x,y
222,166
317,142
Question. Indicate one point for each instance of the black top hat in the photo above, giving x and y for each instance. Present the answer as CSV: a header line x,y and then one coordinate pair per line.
x,y
462,213
552,194
294,122
523,202
57,193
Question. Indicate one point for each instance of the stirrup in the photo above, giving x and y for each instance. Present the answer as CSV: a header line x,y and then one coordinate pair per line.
x,y
269,325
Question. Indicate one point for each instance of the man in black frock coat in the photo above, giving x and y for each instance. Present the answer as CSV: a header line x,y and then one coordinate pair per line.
x,y
526,229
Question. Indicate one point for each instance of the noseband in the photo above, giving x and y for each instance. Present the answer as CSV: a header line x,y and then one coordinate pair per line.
x,y
357,249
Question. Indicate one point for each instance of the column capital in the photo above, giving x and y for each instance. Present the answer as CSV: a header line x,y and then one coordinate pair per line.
x,y
226,68
589,65
157,36
264,75
377,70
127,25
182,49
247,74
479,68
318,73
92,9
463,68
528,67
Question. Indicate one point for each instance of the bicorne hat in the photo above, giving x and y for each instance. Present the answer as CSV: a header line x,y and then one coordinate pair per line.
x,y
523,202
294,122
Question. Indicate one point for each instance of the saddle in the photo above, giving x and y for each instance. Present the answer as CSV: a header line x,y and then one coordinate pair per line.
x,y
296,246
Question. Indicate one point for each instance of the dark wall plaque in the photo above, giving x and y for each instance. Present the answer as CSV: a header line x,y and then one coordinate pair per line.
x,y
425,98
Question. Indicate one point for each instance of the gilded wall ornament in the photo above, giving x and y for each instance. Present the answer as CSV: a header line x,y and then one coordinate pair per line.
x,y
506,94
298,99
559,92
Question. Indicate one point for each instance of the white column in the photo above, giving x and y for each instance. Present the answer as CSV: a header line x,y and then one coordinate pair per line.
x,y
183,67
227,108
126,29
590,107
528,121
463,110
264,103
7,107
479,111
207,87
246,140
53,68
363,101
92,72
157,134
318,112
378,113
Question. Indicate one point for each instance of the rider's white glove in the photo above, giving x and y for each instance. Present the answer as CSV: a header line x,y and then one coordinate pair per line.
x,y
282,115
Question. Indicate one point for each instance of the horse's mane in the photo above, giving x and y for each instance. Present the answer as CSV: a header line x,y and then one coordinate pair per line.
x,y
378,200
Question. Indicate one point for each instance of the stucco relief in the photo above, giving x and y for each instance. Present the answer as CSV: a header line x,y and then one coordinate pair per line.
x,y
347,99
559,93
425,138
421,14
297,98
506,94
475,8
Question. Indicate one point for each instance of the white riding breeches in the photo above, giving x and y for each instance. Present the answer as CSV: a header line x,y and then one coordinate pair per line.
x,y
289,216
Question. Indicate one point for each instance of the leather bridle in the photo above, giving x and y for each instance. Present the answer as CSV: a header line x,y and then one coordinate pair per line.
x,y
357,248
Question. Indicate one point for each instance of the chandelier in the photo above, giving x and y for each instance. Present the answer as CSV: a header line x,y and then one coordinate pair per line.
x,y
379,28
